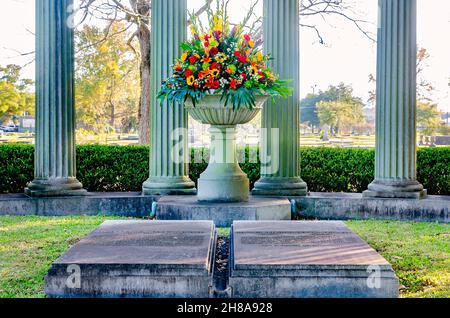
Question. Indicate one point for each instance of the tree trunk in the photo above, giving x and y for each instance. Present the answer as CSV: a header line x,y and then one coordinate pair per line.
x,y
142,7
144,107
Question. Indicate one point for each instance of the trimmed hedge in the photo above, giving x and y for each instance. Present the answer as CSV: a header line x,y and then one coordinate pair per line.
x,y
125,168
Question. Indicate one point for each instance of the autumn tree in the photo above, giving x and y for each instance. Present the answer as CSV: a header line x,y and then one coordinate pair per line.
x,y
341,116
428,117
16,96
106,80
341,94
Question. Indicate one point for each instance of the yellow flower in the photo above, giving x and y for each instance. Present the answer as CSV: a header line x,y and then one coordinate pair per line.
x,y
259,56
190,80
221,57
218,24
193,30
215,72
251,43
184,57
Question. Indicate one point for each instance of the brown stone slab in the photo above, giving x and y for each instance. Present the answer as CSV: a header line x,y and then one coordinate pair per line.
x,y
300,243
144,242
138,259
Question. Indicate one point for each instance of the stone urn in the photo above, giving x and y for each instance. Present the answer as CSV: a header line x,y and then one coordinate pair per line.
x,y
223,180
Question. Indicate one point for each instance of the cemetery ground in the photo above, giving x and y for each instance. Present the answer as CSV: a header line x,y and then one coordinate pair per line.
x,y
418,252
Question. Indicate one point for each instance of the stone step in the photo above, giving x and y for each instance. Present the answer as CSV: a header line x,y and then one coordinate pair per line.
x,y
223,214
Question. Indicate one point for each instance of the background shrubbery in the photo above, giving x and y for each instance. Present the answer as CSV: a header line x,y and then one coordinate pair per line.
x,y
125,168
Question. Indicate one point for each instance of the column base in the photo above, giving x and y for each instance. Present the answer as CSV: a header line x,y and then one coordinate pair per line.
x,y
169,186
280,187
395,189
57,187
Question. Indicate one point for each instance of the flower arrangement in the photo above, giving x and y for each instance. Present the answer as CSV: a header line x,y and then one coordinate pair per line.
x,y
222,61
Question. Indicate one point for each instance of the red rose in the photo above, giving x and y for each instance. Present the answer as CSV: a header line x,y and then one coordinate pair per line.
x,y
216,85
243,59
213,51
188,73
206,44
215,66
244,76
247,37
193,59
237,54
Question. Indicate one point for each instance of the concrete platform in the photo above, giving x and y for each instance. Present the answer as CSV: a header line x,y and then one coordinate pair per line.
x,y
321,259
128,204
137,259
353,206
328,206
223,214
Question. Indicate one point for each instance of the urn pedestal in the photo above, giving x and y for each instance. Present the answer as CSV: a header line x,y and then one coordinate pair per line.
x,y
223,180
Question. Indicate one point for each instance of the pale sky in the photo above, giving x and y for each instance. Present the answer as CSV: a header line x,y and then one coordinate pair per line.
x,y
347,57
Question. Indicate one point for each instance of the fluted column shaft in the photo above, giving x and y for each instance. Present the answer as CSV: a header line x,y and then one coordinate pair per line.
x,y
168,145
395,163
280,169
55,172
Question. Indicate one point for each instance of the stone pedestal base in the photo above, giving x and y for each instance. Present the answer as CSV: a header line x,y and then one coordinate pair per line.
x,y
280,187
395,189
223,214
55,187
228,189
223,180
169,186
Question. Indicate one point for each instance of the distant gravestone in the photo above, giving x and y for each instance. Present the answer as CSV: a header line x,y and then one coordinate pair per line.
x,y
137,259
306,259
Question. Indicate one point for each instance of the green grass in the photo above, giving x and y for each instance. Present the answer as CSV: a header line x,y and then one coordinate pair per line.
x,y
419,252
29,245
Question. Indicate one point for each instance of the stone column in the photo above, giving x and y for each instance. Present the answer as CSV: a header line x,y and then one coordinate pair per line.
x,y
280,169
169,151
55,173
395,165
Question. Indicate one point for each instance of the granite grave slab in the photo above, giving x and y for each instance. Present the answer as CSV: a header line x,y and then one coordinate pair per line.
x,y
137,259
322,259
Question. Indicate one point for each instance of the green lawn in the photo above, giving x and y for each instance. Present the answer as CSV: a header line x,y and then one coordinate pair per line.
x,y
419,252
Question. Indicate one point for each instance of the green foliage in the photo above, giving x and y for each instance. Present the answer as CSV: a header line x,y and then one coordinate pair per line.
x,y
15,93
337,170
125,168
434,169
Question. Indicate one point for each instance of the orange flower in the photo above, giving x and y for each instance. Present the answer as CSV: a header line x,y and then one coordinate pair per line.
x,y
206,60
202,74
184,57
233,84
